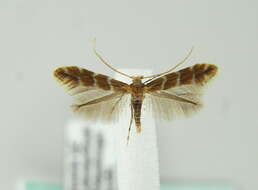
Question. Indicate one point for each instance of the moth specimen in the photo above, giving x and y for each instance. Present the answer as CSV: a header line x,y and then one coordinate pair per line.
x,y
168,94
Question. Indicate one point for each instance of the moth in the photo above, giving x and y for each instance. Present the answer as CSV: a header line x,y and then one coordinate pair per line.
x,y
169,94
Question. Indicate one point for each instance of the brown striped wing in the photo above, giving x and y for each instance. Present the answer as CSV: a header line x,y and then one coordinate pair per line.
x,y
179,93
97,96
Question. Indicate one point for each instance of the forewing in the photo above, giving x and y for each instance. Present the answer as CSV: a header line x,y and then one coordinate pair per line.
x,y
185,85
106,96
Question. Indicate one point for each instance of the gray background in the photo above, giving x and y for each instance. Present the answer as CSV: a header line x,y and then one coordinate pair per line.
x,y
218,144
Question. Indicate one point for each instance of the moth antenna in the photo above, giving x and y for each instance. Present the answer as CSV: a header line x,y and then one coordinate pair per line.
x,y
181,62
105,62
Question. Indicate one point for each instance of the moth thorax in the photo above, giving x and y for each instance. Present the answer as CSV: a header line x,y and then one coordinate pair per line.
x,y
137,89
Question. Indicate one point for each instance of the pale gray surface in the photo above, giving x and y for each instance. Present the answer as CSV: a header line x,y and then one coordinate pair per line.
x,y
37,36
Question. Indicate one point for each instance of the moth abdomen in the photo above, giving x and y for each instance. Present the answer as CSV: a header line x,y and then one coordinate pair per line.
x,y
137,107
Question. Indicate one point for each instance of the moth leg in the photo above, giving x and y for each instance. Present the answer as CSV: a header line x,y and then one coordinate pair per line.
x,y
188,94
113,108
98,100
131,121
173,97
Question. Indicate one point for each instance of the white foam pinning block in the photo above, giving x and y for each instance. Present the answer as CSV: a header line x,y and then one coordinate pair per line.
x,y
137,162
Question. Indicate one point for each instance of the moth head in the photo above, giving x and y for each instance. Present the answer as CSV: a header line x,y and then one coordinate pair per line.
x,y
137,79
140,77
